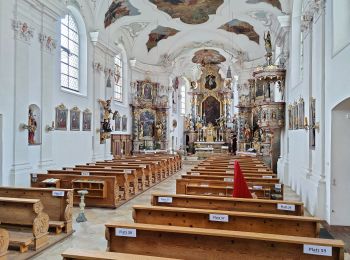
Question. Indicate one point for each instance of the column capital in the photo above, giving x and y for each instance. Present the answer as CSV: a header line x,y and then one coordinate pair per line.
x,y
23,31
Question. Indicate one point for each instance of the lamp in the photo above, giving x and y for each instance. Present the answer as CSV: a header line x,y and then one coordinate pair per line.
x,y
316,125
50,128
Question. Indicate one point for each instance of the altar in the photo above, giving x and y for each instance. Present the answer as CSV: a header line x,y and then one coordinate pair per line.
x,y
213,147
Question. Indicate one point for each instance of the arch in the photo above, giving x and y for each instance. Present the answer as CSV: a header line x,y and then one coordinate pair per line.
x,y
340,163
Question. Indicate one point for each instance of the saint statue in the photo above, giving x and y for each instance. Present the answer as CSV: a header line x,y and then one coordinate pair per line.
x,y
268,48
141,130
106,125
159,132
32,127
247,132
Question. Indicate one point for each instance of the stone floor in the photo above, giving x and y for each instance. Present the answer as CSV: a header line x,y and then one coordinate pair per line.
x,y
90,235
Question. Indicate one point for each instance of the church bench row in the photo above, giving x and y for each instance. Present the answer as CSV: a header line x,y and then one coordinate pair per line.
x,y
127,180
199,243
175,159
229,204
57,203
261,189
228,220
4,242
80,254
26,222
231,172
103,190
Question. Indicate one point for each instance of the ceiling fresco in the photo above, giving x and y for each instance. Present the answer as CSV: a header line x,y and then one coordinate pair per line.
x,y
208,56
240,27
275,3
189,11
118,9
158,34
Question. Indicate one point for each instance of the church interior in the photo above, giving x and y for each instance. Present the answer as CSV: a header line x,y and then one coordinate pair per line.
x,y
174,129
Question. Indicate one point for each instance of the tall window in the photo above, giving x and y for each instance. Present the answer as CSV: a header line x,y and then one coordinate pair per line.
x,y
118,78
183,100
69,54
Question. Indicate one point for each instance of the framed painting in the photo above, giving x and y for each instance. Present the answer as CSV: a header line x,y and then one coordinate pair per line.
x,y
124,123
75,119
147,90
61,118
301,113
87,116
117,121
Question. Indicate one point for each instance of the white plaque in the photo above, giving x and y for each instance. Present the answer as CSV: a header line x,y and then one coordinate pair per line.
x,y
92,164
278,186
229,171
257,187
69,169
108,167
195,173
127,171
85,174
218,217
34,175
204,185
261,170
267,177
318,250
228,179
57,193
165,199
125,232
286,207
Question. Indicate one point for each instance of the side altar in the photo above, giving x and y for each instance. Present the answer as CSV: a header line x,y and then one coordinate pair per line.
x,y
150,107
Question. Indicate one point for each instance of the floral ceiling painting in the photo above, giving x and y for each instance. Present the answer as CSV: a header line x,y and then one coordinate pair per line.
x,y
240,27
208,56
158,34
189,11
119,9
275,3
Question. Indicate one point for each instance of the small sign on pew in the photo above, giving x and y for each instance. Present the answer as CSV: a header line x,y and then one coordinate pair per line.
x,y
69,169
286,207
127,171
125,232
58,193
261,170
108,167
92,164
257,187
85,174
278,186
204,185
165,199
218,217
267,177
34,175
228,171
228,179
195,173
318,250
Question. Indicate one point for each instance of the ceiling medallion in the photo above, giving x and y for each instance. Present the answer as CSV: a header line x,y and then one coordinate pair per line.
x,y
119,9
189,11
240,27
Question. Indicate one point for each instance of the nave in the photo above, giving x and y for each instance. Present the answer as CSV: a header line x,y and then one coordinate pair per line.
x,y
91,235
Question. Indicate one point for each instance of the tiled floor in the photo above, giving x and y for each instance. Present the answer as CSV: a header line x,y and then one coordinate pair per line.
x,y
90,235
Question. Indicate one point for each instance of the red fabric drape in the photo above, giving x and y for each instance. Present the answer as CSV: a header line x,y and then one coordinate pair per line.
x,y
240,187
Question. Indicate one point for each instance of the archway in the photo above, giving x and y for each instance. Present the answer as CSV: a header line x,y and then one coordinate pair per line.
x,y
211,109
340,164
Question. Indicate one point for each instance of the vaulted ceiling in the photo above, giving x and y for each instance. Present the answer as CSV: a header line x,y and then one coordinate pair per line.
x,y
177,33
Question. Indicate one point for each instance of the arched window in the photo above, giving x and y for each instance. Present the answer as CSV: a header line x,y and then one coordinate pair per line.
x,y
183,100
118,78
69,53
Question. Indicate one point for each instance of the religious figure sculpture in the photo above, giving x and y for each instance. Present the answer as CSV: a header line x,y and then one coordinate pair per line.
x,y
268,48
247,132
140,130
159,132
32,127
106,125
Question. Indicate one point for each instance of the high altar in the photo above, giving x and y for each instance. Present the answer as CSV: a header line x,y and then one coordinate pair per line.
x,y
150,116
207,125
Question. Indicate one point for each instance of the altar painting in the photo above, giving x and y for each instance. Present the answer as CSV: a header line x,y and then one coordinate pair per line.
x,y
147,121
211,109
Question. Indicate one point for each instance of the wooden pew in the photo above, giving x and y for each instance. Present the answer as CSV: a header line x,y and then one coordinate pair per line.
x,y
82,254
229,177
229,204
228,220
26,222
4,242
58,204
103,190
199,243
275,189
127,181
222,191
256,175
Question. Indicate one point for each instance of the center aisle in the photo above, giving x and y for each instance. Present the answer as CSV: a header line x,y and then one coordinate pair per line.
x,y
90,234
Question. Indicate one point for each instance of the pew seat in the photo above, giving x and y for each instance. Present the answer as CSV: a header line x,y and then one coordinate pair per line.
x,y
199,243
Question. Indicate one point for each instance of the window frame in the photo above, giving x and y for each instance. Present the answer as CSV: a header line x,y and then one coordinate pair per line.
x,y
118,84
71,39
